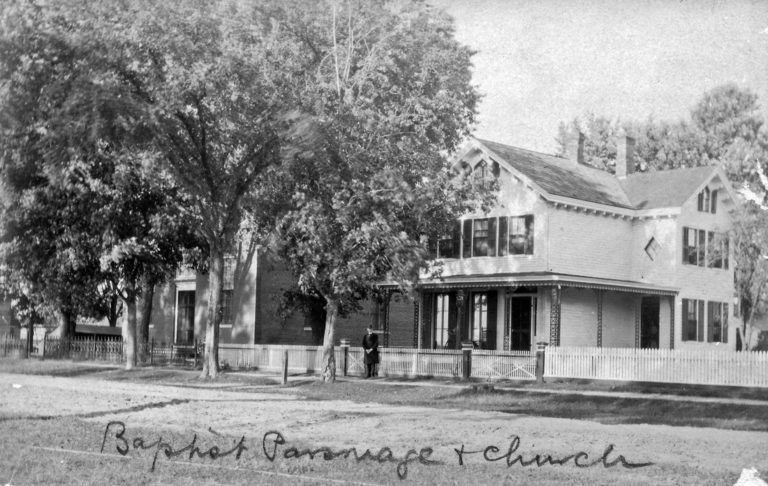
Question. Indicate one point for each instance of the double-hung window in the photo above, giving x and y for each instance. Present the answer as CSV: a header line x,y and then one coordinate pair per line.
x,y
705,248
483,237
705,321
442,319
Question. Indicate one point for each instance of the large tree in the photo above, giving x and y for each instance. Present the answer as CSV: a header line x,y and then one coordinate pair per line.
x,y
390,94
88,216
215,80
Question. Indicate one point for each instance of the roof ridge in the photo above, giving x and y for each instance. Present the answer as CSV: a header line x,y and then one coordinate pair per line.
x,y
656,171
554,156
519,148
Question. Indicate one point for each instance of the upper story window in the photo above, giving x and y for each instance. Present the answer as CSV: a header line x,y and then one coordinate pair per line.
x,y
449,245
705,248
484,173
707,201
483,237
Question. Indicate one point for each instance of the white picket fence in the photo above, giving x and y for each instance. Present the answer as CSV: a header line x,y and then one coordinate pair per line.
x,y
301,359
504,365
419,362
408,362
659,365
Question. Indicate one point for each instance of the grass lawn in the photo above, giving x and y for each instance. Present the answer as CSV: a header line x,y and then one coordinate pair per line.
x,y
66,448
602,409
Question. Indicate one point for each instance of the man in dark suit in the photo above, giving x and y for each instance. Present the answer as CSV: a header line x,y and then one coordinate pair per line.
x,y
371,350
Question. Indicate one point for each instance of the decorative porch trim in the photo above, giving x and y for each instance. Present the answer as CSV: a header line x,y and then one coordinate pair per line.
x,y
545,280
599,294
554,318
416,326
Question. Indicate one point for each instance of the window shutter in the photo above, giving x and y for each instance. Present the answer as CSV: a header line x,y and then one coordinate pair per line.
x,y
714,202
710,321
503,235
491,333
725,322
529,234
725,251
467,239
701,201
700,319
492,237
685,245
701,246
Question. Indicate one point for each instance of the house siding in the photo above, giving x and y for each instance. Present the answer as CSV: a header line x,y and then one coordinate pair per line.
x,y
619,319
702,283
589,244
515,199
578,317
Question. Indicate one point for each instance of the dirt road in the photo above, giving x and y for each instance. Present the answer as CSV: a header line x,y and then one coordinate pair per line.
x,y
454,446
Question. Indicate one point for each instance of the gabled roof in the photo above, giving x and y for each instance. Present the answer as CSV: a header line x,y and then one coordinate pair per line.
x,y
560,177
665,188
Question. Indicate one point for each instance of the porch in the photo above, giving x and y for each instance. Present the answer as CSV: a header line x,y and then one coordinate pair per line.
x,y
515,312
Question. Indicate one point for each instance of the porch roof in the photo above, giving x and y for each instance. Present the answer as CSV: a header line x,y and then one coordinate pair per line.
x,y
545,279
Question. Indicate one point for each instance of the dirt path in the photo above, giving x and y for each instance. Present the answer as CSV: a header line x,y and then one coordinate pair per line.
x,y
680,455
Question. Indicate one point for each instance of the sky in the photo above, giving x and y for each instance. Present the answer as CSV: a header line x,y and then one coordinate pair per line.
x,y
546,61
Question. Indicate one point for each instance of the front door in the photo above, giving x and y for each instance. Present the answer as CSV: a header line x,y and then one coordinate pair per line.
x,y
649,322
185,317
521,316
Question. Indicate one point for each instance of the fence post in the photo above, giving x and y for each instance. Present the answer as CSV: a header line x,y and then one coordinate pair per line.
x,y
151,351
195,344
540,347
285,367
466,360
345,357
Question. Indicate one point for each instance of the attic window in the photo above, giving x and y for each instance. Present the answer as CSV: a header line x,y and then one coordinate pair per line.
x,y
485,173
652,248
707,202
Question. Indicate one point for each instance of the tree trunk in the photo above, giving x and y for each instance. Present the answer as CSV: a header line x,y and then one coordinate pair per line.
x,y
215,275
144,318
30,337
129,328
67,322
113,311
328,373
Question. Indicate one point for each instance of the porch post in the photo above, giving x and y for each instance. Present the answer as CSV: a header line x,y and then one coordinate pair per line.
x,y
599,293
422,319
459,316
507,317
672,322
385,316
416,326
554,318
637,325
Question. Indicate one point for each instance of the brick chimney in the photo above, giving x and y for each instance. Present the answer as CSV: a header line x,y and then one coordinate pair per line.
x,y
625,155
574,147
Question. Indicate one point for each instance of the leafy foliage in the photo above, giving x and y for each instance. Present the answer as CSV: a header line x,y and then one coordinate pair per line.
x,y
389,92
